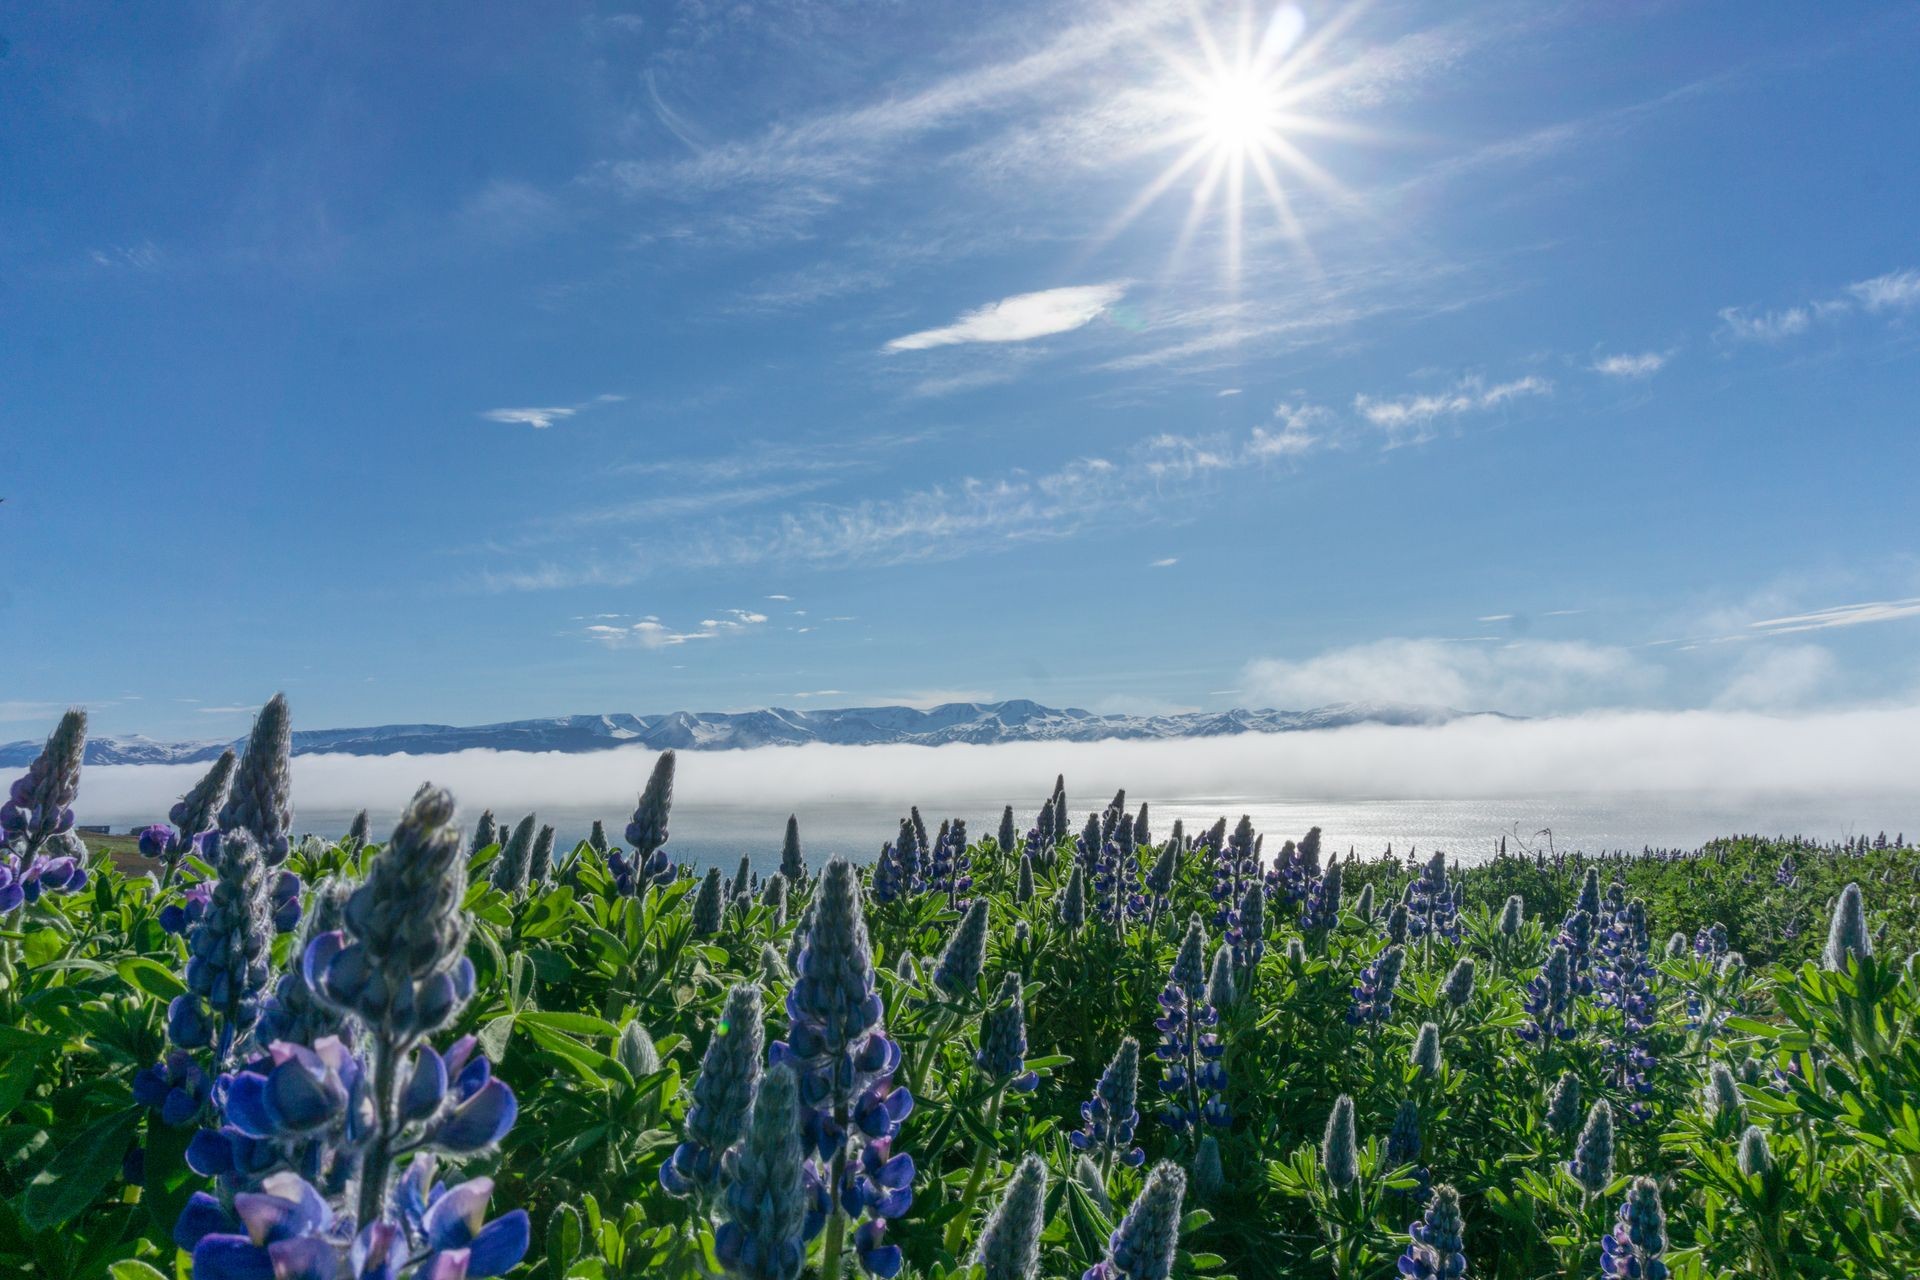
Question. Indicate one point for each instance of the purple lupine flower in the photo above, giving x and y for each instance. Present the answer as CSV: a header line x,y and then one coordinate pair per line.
x,y
1633,1249
957,972
722,1094
295,1011
889,876
845,1064
1002,1056
774,1200
1010,1238
1563,1106
647,834
1073,901
192,816
1235,866
949,866
229,952
1787,874
1710,942
793,864
1592,1163
1373,993
1246,935
1403,1148
1436,1248
1548,1001
1431,911
1194,1077
259,802
1621,974
38,811
1142,1246
1109,1117
1320,907
177,1088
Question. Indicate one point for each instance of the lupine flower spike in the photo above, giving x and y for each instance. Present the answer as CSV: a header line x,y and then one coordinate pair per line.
x,y
724,1089
260,802
1847,935
1437,1246
1143,1245
1010,1240
1340,1145
1633,1249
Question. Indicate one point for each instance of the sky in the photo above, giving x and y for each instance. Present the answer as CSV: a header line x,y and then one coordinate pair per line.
x,y
464,363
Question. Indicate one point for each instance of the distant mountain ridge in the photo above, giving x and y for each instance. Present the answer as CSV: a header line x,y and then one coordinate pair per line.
x,y
1016,720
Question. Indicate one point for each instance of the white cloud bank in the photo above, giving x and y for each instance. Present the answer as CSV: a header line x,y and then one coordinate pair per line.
x,y
1525,676
1670,753
1020,318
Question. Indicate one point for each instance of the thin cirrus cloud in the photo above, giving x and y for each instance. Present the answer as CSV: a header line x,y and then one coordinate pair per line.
x,y
1020,318
1410,419
1164,562
651,633
1881,295
542,418
1846,615
1643,365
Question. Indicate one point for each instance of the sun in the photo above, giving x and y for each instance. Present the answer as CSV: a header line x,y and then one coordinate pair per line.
x,y
1234,110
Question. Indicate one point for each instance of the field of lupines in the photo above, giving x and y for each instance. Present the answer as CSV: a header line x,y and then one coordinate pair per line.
x,y
1075,1046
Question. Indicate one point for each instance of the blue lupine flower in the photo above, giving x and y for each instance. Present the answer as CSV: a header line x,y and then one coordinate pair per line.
x,y
647,833
38,811
1397,924
1194,1079
1142,834
1160,877
1458,988
1221,993
1548,999
1437,1245
451,1222
1512,916
24,879
1576,939
774,1201
1373,993
845,1063
722,1094
1592,1163
1340,1145
1633,1249
1109,1117
1073,901
192,816
1404,1145
1002,1057
1142,1246
511,868
295,1011
1710,942
1847,938
1023,885
793,865
176,1088
1563,1106
1010,1239
957,973
949,865
707,907
636,1050
1431,911
259,801
229,952
890,880
1246,934
1320,908
1622,972
1235,866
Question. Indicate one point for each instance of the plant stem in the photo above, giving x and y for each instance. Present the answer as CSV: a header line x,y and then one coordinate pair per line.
x,y
957,1229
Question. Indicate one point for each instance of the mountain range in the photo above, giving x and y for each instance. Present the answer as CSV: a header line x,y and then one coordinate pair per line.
x,y
1017,720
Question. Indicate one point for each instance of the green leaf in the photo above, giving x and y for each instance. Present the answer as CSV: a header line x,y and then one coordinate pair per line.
x,y
134,1269
81,1171
151,977
579,1024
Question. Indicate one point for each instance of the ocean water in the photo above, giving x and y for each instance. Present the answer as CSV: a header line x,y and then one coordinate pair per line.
x,y
1470,829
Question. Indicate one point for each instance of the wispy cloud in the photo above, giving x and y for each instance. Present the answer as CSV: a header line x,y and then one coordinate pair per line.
x,y
1643,365
1020,318
1764,326
1164,562
1524,676
1845,615
542,418
1893,291
651,633
1409,419
242,709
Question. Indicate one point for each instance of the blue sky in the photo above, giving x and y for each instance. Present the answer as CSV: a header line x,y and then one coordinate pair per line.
x,y
462,363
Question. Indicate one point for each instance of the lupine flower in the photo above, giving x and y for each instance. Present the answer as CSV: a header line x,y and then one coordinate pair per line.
x,y
773,968
705,916
511,868
294,1011
1003,1039
1592,1163
1373,994
1073,902
23,879
485,832
1548,999
1397,924
259,802
1622,974
229,952
1404,1145
1430,906
646,834
1363,905
1563,1106
1786,875
1754,1158
1209,1177
1320,909
1589,900
1635,1245
1426,1050
1195,1079
793,865
636,1050
774,897
1088,1175
597,837
177,1088
1722,1095
845,1064
1142,1246
1246,934
890,880
1458,988
1235,866
38,811
1437,1246
1010,1239
1220,990
957,972
192,816
1160,875
358,830
1710,942
1847,935
1108,1118
1003,839
1676,945
740,888
722,1093
1340,1145
1023,888
1512,916
540,862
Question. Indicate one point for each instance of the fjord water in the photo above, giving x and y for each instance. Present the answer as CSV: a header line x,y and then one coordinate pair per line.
x,y
1470,829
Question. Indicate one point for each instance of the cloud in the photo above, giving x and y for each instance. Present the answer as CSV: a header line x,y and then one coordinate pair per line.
x,y
1409,419
1687,756
1779,678
651,633
243,709
1845,615
1644,365
1764,326
540,419
778,597
1227,391
1525,677
1165,562
1020,318
1893,291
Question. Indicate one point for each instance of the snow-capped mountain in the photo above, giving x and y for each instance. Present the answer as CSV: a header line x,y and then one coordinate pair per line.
x,y
1017,720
